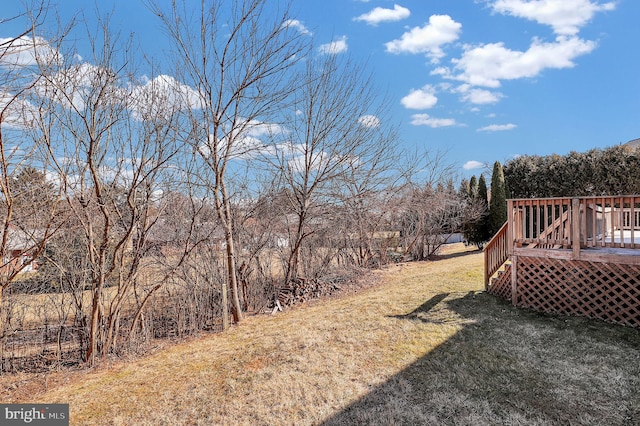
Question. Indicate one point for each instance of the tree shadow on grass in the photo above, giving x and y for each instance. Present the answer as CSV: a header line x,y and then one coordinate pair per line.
x,y
509,366
454,255
421,312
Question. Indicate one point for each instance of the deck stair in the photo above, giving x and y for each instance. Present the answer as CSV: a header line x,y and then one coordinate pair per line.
x,y
500,284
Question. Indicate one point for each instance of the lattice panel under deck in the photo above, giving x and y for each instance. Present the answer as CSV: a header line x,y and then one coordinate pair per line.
x,y
598,290
501,283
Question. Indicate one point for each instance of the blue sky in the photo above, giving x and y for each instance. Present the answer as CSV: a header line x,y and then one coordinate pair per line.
x,y
490,80
483,80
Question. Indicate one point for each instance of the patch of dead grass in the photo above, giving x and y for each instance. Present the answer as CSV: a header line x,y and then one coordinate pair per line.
x,y
426,346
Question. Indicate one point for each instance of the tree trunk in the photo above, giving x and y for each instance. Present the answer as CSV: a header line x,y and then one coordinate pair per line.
x,y
236,308
2,313
2,325
292,263
92,347
225,305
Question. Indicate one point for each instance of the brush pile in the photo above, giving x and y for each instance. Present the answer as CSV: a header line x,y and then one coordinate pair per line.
x,y
301,289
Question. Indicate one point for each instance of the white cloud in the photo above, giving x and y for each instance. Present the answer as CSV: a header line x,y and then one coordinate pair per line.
x,y
162,95
76,85
488,64
482,97
473,164
380,14
247,146
26,51
294,23
16,112
299,158
497,128
566,17
442,71
428,39
72,87
370,121
243,147
302,163
246,142
478,96
335,47
258,129
426,120
53,178
424,98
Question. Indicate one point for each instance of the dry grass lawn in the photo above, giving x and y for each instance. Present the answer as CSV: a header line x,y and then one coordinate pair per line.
x,y
426,346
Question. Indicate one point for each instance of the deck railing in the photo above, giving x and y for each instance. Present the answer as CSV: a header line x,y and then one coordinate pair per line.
x,y
544,223
496,252
576,223
611,222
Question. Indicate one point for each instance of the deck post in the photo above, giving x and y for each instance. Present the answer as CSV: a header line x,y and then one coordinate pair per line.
x,y
486,272
510,225
514,280
575,228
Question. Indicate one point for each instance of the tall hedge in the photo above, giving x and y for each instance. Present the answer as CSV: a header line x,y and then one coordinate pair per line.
x,y
609,171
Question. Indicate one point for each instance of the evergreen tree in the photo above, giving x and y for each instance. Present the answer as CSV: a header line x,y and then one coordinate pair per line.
x,y
463,190
475,228
498,203
473,187
482,228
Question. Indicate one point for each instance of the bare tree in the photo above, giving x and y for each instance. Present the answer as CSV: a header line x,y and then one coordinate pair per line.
x,y
426,208
113,148
368,193
432,213
235,56
29,208
336,150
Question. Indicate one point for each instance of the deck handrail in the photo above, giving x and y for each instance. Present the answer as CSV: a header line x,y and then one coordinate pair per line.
x,y
496,252
576,223
556,229
542,222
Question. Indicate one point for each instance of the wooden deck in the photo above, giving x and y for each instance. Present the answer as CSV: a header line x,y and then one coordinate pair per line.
x,y
578,256
591,254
